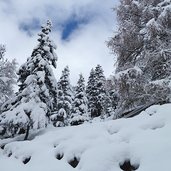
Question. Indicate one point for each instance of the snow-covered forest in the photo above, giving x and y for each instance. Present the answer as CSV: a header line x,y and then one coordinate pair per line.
x,y
120,122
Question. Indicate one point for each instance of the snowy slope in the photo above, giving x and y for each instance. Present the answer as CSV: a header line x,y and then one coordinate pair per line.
x,y
145,140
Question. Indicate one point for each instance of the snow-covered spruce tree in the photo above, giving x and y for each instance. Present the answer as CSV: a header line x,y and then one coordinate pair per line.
x,y
65,98
103,102
7,76
91,94
98,99
37,96
79,107
2,51
141,45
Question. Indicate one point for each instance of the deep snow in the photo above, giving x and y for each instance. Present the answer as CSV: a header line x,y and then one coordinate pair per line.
x,y
144,140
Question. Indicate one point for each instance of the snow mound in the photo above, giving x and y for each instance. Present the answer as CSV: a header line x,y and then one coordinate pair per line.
x,y
142,143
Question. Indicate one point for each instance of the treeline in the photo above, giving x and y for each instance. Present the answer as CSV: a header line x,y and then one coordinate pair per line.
x,y
84,102
42,100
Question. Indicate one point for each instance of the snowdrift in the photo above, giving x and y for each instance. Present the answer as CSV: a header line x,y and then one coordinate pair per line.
x,y
142,143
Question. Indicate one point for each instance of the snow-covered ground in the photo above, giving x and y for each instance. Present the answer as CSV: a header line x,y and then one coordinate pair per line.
x,y
143,141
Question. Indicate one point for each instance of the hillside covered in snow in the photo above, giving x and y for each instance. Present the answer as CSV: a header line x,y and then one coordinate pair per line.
x,y
142,143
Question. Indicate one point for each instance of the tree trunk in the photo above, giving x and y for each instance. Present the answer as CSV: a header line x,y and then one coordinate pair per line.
x,y
27,133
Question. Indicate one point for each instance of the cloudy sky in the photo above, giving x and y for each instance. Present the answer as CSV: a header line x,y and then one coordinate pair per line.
x,y
80,29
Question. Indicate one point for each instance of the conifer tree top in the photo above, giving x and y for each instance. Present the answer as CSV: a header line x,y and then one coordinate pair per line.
x,y
80,84
46,46
2,51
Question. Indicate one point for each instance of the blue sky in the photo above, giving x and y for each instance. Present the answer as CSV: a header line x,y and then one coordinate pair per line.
x,y
67,27
80,29
71,25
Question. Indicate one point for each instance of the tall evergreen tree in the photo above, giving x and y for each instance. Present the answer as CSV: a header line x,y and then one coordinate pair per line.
x,y
98,98
65,96
91,94
37,96
79,110
103,102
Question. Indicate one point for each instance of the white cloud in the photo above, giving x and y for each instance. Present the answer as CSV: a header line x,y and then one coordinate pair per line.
x,y
86,47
